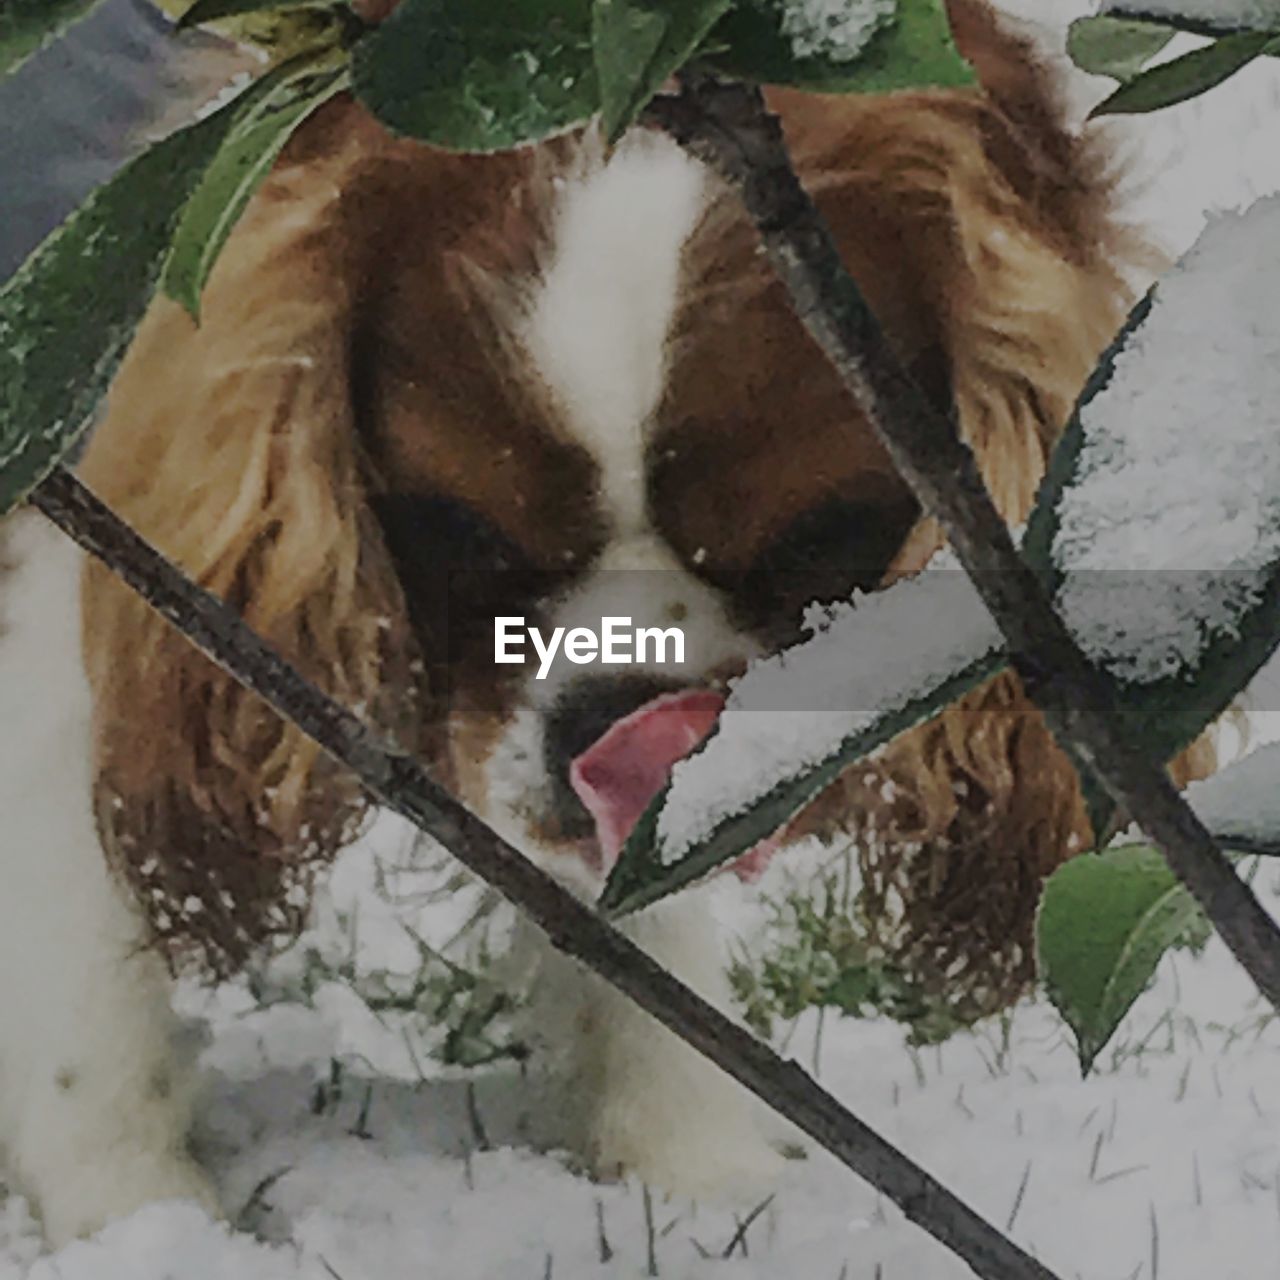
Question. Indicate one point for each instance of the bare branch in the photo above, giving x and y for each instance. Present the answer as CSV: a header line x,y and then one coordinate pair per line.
x,y
572,926
728,126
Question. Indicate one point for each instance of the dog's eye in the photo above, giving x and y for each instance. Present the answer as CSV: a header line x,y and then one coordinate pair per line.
x,y
823,555
458,571
440,535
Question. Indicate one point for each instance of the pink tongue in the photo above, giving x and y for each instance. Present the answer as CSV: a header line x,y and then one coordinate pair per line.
x,y
617,776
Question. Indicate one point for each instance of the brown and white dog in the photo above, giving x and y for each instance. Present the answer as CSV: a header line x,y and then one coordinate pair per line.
x,y
431,389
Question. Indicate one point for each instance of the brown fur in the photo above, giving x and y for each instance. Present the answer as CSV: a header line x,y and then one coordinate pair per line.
x,y
232,447
348,352
248,450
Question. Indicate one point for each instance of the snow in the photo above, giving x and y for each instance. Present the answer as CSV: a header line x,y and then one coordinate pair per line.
x,y
1178,1126
792,711
1174,518
1258,14
834,29
1241,805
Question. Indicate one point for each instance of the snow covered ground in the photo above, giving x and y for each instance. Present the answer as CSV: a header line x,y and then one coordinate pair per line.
x,y
345,1153
1165,1163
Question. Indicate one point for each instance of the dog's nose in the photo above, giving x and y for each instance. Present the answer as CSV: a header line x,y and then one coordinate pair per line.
x,y
580,717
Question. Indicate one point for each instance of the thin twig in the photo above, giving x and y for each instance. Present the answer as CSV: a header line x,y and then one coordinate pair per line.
x,y
1155,1244
1018,1198
478,1134
739,1237
651,1247
572,926
728,127
602,1238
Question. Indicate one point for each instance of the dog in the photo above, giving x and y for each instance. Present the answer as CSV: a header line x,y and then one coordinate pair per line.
x,y
428,390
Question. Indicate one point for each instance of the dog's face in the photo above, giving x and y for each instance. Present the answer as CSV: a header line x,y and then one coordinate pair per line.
x,y
433,391
623,418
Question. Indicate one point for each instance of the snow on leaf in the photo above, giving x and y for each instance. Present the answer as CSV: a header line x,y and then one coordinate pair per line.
x,y
868,46
1161,514
1241,805
795,721
834,29
1225,15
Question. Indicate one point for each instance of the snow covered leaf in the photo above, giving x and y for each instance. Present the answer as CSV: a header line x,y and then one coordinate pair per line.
x,y
797,720
25,25
1104,45
480,75
236,173
1105,921
70,310
855,46
1241,805
1159,521
638,44
1203,17
1188,76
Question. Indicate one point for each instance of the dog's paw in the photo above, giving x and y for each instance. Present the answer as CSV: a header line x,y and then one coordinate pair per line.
x,y
704,1163
686,1129
84,1200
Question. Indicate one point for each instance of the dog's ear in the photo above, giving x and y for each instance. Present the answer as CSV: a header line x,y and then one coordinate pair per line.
x,y
1048,266
232,446
982,229
1009,67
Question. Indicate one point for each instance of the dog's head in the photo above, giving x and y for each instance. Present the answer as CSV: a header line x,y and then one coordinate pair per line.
x,y
430,391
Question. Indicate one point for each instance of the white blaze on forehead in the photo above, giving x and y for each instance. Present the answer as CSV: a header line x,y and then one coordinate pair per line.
x,y
598,324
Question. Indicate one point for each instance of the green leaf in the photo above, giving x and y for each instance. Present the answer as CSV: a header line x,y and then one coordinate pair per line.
x,y
637,44
480,75
624,39
1105,920
236,173
1118,47
69,312
26,25
1188,76
912,50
